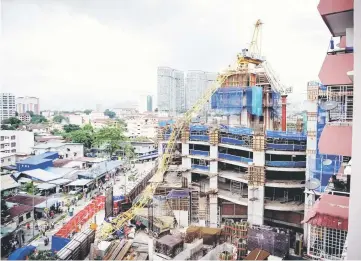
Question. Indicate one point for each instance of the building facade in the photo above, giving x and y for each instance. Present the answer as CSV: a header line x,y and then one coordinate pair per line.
x,y
149,103
24,117
13,141
65,150
197,82
170,90
25,104
7,106
330,105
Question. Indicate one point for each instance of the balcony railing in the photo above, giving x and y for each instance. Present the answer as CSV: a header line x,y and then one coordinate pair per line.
x,y
286,147
199,137
234,158
286,164
200,167
232,141
199,152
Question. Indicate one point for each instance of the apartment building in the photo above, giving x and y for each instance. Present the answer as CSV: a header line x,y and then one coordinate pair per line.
x,y
64,150
13,141
329,138
7,106
27,103
142,125
24,117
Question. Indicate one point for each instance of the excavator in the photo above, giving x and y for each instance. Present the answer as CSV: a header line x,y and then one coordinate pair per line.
x,y
250,55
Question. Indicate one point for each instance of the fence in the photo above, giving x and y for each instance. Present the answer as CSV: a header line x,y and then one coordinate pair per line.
x,y
201,167
234,158
286,147
286,135
286,164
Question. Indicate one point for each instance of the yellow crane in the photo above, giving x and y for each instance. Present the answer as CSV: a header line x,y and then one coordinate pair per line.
x,y
122,219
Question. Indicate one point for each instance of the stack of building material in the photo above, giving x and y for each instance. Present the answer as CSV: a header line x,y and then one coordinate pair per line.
x,y
169,245
209,235
236,233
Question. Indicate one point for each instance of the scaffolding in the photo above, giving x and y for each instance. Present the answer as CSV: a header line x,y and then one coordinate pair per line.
x,y
256,176
185,135
214,137
259,143
194,206
236,234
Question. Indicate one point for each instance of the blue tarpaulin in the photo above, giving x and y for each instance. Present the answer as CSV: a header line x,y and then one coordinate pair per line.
x,y
232,141
234,158
286,135
118,198
199,137
22,253
177,193
236,130
58,243
201,167
164,123
257,98
198,128
199,152
229,100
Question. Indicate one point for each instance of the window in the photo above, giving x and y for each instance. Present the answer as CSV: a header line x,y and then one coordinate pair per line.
x,y
28,215
13,144
2,138
9,159
21,219
2,160
13,150
13,137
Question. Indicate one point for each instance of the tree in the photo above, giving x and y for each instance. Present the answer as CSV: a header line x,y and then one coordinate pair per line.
x,y
59,118
109,113
38,119
71,127
87,112
82,136
29,187
31,113
7,127
122,124
4,210
43,255
13,122
141,139
110,137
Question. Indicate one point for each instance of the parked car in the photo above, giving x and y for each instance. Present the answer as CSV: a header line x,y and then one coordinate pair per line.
x,y
75,191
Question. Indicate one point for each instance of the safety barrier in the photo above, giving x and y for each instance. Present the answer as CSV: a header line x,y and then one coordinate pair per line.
x,y
286,164
201,167
82,217
287,147
286,135
199,137
232,141
236,130
234,158
199,152
198,128
228,100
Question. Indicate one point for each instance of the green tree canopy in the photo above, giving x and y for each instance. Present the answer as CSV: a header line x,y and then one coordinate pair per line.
x,y
87,112
43,255
38,119
109,113
111,138
82,136
13,122
59,118
31,113
71,127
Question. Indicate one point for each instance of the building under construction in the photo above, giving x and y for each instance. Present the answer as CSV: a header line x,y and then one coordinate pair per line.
x,y
243,163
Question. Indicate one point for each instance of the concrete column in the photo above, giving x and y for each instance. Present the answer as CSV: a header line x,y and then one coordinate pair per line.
x,y
185,149
213,167
160,148
213,210
213,151
186,162
354,225
256,194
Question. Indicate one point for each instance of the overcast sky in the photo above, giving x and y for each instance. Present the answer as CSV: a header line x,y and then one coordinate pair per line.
x,y
73,54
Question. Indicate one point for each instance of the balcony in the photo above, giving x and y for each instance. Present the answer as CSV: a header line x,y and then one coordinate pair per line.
x,y
285,183
286,164
200,169
280,205
233,175
234,158
286,147
337,15
199,153
232,197
335,68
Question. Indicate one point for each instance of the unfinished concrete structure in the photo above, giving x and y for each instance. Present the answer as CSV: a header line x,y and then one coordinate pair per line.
x,y
246,168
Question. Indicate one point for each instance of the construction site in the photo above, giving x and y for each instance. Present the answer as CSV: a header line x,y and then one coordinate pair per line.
x,y
243,184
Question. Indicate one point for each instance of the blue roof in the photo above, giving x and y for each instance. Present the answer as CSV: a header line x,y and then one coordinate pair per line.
x,y
38,159
22,253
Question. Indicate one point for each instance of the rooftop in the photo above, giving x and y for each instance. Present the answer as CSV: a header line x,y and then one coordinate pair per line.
x,y
101,168
26,200
329,211
7,182
38,158
61,162
41,174
19,210
46,145
80,182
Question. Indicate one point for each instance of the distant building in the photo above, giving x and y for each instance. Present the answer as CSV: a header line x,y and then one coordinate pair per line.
x,y
171,92
24,104
47,114
24,117
75,119
65,150
13,141
7,106
149,103
7,159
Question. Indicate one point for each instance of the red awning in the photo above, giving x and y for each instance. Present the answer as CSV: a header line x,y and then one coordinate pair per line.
x,y
334,6
329,211
336,140
334,69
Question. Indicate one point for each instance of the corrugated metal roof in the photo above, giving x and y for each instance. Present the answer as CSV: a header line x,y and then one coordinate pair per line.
x,y
38,158
60,181
336,140
329,211
45,186
46,145
19,210
26,199
7,182
101,168
334,69
80,182
41,174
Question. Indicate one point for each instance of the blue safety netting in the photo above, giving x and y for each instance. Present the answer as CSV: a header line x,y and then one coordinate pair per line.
x,y
118,198
22,253
234,158
199,152
198,128
178,193
236,130
276,97
164,123
286,135
286,164
232,141
254,96
201,167
286,147
228,100
195,137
